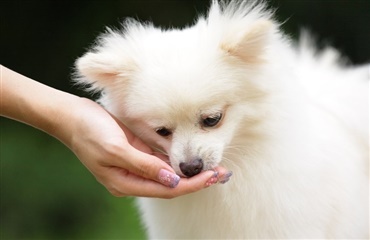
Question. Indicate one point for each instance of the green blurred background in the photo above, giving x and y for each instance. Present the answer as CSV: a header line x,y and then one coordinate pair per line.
x,y
46,193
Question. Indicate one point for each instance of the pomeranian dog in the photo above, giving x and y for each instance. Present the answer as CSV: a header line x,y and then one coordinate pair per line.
x,y
232,90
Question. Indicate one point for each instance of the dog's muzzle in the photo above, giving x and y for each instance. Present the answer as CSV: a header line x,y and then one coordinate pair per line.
x,y
191,168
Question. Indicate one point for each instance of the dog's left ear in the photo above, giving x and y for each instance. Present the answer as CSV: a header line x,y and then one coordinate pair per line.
x,y
102,69
250,45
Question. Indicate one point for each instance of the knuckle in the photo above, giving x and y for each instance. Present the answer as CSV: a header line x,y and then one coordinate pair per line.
x,y
170,195
180,191
116,193
145,168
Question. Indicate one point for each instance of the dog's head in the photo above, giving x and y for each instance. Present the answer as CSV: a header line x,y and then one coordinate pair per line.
x,y
185,92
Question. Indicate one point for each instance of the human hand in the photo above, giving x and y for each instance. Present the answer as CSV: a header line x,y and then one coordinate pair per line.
x,y
116,157
121,161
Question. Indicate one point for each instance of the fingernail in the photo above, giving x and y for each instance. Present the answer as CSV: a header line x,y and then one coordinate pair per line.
x,y
212,180
225,178
168,178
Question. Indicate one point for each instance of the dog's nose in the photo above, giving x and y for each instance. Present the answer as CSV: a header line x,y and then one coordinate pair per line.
x,y
191,168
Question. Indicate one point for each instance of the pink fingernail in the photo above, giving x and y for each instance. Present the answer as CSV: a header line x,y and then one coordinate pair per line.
x,y
212,180
168,178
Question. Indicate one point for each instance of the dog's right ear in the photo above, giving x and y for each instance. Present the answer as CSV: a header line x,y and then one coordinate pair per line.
x,y
99,70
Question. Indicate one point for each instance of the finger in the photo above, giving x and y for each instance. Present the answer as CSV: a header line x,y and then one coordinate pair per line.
x,y
128,184
224,175
221,170
149,167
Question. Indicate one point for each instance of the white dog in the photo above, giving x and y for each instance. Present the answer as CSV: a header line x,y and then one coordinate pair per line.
x,y
233,90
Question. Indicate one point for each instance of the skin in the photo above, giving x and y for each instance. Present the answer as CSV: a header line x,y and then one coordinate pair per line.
x,y
117,158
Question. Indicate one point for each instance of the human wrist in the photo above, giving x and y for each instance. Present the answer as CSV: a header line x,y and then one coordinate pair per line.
x,y
66,122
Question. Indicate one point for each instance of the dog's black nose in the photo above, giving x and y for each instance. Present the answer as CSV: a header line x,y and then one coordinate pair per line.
x,y
191,168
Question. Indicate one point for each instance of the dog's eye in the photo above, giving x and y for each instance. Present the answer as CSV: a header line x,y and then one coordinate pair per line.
x,y
164,132
211,121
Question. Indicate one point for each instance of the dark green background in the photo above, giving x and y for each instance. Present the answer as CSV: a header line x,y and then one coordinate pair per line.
x,y
46,193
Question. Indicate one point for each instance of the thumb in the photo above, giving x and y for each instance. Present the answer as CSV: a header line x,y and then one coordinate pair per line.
x,y
142,163
151,167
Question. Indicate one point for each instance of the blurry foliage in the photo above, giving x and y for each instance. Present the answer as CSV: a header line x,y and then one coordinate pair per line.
x,y
46,193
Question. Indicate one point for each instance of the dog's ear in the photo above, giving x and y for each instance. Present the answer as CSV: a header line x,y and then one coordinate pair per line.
x,y
250,45
101,69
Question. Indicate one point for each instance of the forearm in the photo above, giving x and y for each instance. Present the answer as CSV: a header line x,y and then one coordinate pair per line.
x,y
34,103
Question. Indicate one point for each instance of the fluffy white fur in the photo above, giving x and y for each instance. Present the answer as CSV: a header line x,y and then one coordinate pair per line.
x,y
294,129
